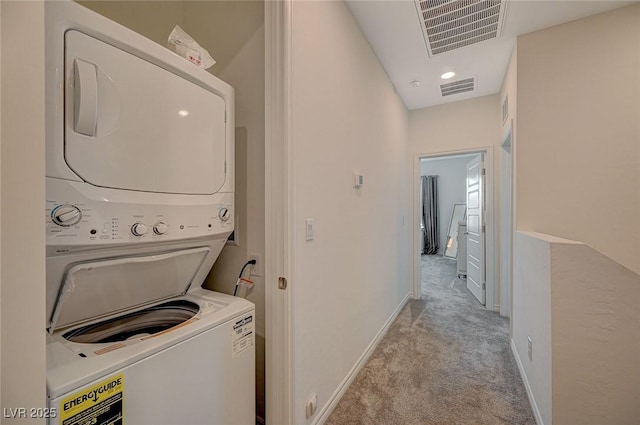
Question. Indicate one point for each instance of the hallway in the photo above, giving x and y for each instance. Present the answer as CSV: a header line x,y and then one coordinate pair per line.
x,y
445,360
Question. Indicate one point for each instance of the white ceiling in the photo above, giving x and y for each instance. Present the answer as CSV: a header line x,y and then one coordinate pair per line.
x,y
393,30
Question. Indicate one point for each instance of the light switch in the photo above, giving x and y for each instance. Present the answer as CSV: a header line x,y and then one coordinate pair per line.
x,y
309,229
358,180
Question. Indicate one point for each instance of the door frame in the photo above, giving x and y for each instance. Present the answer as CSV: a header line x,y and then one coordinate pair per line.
x,y
491,260
507,227
279,335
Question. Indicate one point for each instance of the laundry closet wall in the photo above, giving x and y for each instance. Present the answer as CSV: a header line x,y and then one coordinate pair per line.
x,y
233,33
22,236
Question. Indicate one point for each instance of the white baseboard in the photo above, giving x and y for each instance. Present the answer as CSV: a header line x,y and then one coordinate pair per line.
x,y
527,386
323,415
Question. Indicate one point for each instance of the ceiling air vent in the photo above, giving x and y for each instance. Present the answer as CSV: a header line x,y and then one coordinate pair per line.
x,y
452,24
461,86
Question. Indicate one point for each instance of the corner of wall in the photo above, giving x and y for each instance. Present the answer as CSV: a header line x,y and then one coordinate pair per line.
x,y
532,318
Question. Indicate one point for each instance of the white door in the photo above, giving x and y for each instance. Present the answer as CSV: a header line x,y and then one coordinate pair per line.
x,y
475,228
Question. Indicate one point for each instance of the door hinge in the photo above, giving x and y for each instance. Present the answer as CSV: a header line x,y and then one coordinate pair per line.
x,y
225,167
483,172
225,116
484,228
484,286
282,283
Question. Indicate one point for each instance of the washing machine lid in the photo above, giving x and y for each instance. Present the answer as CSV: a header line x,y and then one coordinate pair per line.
x,y
131,124
99,288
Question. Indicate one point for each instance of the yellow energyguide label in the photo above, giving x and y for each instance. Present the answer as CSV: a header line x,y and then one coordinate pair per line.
x,y
100,404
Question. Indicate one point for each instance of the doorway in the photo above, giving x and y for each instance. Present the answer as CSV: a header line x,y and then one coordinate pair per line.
x,y
451,167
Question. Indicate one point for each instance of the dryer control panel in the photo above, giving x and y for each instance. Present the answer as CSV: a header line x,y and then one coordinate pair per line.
x,y
74,219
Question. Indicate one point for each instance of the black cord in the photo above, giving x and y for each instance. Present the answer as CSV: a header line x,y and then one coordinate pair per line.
x,y
252,262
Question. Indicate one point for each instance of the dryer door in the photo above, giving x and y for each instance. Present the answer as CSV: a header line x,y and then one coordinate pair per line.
x,y
130,124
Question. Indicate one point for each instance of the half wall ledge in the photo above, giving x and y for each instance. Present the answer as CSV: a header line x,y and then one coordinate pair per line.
x,y
581,310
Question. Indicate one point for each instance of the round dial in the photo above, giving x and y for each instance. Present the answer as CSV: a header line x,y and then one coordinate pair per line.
x,y
224,214
66,215
160,228
138,229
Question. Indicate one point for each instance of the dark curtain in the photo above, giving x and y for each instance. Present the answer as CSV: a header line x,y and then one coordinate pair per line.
x,y
430,220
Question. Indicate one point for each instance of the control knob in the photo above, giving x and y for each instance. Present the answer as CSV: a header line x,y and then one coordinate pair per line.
x,y
138,229
224,214
160,228
66,215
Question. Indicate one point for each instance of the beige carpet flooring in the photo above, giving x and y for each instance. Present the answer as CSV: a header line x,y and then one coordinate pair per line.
x,y
445,360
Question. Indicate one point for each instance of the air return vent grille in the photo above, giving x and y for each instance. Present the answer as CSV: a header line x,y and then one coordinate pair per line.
x,y
461,86
452,24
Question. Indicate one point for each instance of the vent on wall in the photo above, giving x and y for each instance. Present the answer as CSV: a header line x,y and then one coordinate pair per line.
x,y
460,86
452,24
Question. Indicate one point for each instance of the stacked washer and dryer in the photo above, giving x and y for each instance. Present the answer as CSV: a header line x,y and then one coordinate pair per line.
x,y
139,205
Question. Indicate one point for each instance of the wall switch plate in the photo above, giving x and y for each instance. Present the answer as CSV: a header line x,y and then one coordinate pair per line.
x,y
257,267
308,229
311,406
530,348
358,180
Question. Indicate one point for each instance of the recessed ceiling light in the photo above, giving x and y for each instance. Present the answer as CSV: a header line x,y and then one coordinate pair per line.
x,y
447,75
415,83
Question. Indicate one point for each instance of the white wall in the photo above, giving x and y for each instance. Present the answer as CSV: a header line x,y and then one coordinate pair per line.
x,y
532,318
508,92
578,155
463,125
351,278
22,270
452,188
596,338
580,309
153,19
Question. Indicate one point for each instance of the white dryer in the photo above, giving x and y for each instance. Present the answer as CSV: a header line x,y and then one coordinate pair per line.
x,y
139,205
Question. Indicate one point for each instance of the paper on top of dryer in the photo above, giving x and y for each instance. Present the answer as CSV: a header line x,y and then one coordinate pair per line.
x,y
185,46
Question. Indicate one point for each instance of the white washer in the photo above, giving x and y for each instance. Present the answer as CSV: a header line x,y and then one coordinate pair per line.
x,y
139,205
200,371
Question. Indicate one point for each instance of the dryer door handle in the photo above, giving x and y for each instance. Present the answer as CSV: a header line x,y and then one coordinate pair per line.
x,y
85,98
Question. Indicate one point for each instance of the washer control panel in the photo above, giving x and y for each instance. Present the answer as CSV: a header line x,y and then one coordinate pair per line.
x,y
75,221
66,215
160,228
138,229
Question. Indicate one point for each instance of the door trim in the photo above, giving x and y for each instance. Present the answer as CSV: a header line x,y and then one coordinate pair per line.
x,y
491,260
507,228
278,232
